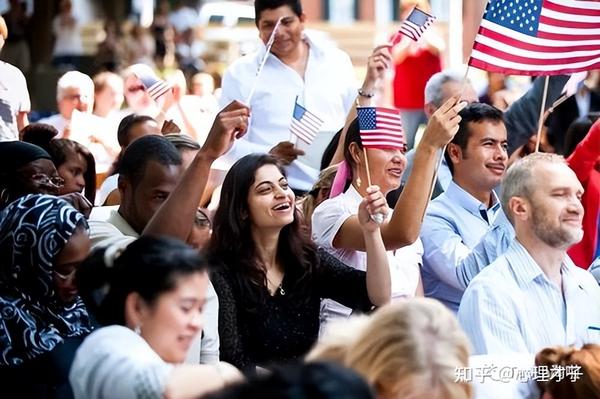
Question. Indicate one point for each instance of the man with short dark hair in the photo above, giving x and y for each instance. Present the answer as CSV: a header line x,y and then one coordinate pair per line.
x,y
320,77
464,227
148,172
533,296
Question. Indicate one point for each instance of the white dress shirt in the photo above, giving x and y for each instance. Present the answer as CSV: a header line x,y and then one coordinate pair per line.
x,y
512,306
404,263
327,89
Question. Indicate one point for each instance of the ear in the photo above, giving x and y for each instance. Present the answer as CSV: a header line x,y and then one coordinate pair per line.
x,y
302,18
519,208
136,310
455,152
355,152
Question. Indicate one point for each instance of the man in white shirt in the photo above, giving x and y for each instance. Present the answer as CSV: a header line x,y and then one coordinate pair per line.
x,y
74,91
534,296
322,78
14,97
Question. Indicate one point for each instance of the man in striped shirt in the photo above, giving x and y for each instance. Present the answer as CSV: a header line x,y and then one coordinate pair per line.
x,y
534,296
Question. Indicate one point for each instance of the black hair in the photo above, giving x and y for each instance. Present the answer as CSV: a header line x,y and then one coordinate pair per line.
x,y
318,380
233,247
143,150
330,149
182,141
261,5
39,134
472,113
576,132
62,149
126,124
149,266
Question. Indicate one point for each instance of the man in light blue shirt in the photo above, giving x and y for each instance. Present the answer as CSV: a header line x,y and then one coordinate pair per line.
x,y
464,229
533,296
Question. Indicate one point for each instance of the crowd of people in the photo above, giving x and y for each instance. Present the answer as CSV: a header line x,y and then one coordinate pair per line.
x,y
182,246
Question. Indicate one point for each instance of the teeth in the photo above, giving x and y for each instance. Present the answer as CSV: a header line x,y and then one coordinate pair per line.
x,y
281,207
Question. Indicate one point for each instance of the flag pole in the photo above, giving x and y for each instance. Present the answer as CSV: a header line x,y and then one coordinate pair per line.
x,y
378,217
541,120
264,60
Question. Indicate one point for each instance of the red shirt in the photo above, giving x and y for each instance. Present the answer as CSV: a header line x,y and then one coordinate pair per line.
x,y
411,76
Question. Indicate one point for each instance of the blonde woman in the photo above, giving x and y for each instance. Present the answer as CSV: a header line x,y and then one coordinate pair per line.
x,y
407,349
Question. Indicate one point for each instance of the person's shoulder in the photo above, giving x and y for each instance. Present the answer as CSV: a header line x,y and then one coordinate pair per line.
x,y
496,275
245,64
10,71
109,338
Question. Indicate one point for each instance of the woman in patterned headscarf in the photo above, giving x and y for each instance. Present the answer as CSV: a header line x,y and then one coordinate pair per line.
x,y
42,241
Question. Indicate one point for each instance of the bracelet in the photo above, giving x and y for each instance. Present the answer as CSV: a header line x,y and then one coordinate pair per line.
x,y
363,94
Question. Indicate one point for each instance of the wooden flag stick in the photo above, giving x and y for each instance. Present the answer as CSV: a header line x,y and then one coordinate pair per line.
x,y
378,217
541,121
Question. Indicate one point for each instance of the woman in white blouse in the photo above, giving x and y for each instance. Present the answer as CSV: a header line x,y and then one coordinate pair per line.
x,y
149,300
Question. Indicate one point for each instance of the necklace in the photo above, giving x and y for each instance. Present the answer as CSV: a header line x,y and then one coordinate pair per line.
x,y
277,287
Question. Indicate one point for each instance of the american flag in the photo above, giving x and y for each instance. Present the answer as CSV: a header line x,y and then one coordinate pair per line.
x,y
305,125
155,86
380,128
414,25
538,37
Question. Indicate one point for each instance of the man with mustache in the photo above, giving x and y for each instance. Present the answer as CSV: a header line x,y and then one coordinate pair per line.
x,y
464,228
534,296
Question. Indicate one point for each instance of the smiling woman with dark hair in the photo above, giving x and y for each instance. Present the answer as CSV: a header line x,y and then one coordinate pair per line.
x,y
270,277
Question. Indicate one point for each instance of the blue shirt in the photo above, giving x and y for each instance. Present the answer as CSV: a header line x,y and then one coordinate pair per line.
x,y
460,237
512,306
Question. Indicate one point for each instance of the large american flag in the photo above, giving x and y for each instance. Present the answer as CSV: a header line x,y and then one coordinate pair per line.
x,y
538,37
305,125
381,128
414,25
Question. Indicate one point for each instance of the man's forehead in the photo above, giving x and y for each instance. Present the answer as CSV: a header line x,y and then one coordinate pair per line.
x,y
271,15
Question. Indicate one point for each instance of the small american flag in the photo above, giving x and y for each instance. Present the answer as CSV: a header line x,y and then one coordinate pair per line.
x,y
155,86
305,125
414,26
381,128
538,37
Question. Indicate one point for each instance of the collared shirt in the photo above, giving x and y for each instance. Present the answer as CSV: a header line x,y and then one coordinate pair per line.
x,y
512,306
404,262
459,242
327,90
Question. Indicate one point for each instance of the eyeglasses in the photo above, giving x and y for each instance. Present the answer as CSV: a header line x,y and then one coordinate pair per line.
x,y
65,277
134,89
202,219
47,180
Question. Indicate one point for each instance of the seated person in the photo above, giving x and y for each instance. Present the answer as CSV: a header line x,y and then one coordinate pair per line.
x,y
270,277
149,301
533,295
301,381
407,349
43,240
584,383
